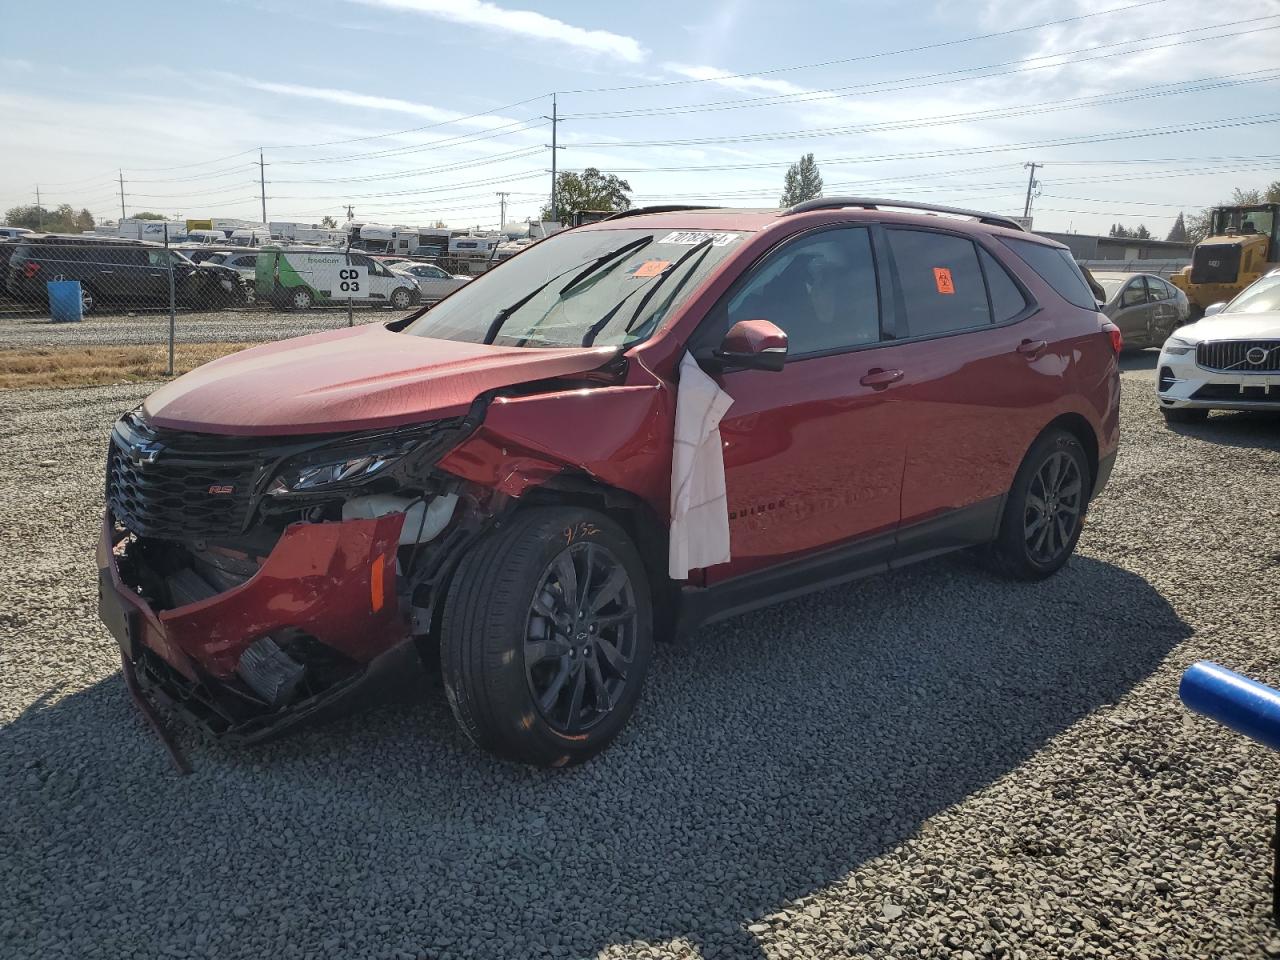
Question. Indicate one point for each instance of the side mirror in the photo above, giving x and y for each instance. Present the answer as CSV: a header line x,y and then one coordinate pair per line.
x,y
1213,308
753,345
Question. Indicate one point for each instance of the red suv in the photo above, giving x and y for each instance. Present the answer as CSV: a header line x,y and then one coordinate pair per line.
x,y
849,386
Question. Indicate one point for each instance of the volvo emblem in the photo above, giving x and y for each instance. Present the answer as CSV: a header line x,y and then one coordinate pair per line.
x,y
145,451
1257,355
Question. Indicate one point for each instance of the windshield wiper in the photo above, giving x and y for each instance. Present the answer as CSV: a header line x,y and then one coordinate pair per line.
x,y
600,261
501,317
649,287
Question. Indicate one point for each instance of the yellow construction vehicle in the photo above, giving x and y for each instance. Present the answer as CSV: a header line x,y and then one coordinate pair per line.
x,y
1243,244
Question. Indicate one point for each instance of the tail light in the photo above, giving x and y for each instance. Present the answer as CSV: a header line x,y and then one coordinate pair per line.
x,y
30,269
1117,338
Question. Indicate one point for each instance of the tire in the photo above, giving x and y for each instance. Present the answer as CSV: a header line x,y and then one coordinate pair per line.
x,y
511,678
88,300
300,298
1184,414
401,298
1028,547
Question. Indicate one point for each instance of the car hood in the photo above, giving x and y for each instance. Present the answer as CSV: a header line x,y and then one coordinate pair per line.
x,y
1233,326
362,378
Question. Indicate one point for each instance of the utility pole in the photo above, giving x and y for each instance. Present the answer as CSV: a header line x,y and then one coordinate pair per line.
x,y
351,214
262,182
1032,183
555,123
122,216
502,209
39,210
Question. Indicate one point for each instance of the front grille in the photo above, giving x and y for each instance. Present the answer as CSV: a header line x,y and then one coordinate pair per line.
x,y
1240,356
1215,263
179,496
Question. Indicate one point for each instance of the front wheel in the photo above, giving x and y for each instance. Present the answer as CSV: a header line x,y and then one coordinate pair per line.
x,y
546,636
401,298
1044,512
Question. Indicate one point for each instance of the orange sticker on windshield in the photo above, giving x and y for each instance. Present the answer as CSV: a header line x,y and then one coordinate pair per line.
x,y
942,278
650,268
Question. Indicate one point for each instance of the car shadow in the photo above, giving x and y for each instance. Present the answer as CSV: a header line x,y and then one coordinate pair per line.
x,y
1145,359
1256,429
772,758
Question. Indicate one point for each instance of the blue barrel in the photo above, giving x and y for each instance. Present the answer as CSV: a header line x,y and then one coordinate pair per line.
x,y
1244,705
65,302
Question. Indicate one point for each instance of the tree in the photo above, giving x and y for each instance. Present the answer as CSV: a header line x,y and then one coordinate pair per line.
x,y
62,219
1142,233
1120,230
148,215
1178,232
328,223
803,182
590,190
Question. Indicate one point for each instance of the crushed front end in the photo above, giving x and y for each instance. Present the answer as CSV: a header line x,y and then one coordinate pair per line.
x,y
254,582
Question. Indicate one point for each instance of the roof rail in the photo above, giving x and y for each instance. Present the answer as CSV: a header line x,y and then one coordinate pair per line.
x,y
872,203
660,208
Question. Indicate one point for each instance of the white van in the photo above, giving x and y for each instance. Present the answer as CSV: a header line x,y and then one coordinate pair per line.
x,y
301,278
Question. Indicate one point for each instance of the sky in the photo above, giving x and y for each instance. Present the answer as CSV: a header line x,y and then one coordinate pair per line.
x,y
414,111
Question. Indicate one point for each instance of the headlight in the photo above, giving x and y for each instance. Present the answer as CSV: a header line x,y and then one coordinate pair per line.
x,y
1177,347
303,479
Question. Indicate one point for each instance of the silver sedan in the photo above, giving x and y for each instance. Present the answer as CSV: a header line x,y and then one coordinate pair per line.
x,y
1145,308
433,283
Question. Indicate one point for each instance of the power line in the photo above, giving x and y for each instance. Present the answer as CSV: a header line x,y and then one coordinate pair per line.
x,y
869,56
1246,121
519,125
400,133
938,78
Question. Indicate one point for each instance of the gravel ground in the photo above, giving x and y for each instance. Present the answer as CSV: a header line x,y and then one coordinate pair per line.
x,y
229,326
934,764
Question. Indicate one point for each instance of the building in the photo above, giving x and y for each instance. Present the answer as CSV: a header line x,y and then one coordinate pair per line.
x,y
1086,247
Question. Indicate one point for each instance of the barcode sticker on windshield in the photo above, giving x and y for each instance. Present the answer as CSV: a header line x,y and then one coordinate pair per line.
x,y
688,238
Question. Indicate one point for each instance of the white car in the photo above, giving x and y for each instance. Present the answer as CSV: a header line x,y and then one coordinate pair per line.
x,y
1230,360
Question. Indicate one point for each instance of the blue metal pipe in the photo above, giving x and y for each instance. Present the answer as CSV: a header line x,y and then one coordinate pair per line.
x,y
1235,701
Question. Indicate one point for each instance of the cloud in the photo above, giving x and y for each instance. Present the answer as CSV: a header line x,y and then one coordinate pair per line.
x,y
523,23
724,78
351,98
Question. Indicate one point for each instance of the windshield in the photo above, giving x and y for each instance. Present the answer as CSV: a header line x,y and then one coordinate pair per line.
x,y
551,295
1244,220
1111,285
1259,297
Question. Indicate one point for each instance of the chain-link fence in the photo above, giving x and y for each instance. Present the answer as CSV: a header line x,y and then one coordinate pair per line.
x,y
1160,268
128,293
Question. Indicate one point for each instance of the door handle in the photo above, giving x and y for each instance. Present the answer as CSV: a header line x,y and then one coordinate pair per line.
x,y
1032,348
878,378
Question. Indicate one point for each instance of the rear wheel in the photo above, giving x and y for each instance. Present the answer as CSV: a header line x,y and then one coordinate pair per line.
x,y
1044,513
1184,414
87,299
546,636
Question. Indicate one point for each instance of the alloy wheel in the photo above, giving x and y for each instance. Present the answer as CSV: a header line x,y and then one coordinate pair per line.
x,y
1054,504
580,641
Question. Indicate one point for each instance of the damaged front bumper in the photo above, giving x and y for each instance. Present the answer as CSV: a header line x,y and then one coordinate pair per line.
x,y
325,597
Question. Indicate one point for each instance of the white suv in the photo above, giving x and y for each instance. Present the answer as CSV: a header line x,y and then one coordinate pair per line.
x,y
1230,360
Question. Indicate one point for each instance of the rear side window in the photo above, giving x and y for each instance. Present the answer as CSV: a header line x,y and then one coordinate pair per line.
x,y
1056,268
1007,300
942,284
1157,289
